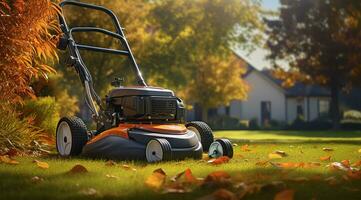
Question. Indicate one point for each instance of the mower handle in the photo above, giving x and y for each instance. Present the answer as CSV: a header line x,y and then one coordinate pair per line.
x,y
119,34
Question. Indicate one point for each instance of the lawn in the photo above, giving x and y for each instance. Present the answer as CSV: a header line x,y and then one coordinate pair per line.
x,y
248,166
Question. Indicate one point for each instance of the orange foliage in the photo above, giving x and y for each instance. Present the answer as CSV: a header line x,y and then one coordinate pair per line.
x,y
27,45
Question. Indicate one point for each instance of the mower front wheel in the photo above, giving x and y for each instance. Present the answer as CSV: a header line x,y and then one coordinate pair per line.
x,y
221,147
71,136
158,150
203,132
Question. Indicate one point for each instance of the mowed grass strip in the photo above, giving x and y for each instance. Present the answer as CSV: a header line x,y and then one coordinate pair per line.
x,y
118,182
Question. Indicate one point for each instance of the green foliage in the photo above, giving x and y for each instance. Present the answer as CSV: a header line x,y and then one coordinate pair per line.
x,y
15,132
43,112
253,124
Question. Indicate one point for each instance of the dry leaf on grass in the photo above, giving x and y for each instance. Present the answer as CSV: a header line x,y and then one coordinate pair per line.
x,y
346,163
245,147
111,176
156,180
89,192
217,179
341,167
356,164
218,161
42,165
354,175
285,195
127,167
220,194
78,169
281,153
7,160
325,158
327,149
37,179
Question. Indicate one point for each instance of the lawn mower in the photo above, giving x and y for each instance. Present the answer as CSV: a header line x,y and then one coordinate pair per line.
x,y
133,123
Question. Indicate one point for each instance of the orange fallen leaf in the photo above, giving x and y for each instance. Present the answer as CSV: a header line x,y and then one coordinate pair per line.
x,y
325,158
262,163
346,163
355,175
156,180
42,165
245,147
217,179
220,160
285,195
78,169
7,160
288,165
357,164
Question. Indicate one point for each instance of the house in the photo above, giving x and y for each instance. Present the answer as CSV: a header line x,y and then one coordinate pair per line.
x,y
268,100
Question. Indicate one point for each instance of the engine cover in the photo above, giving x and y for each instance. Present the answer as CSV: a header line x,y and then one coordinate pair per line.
x,y
146,104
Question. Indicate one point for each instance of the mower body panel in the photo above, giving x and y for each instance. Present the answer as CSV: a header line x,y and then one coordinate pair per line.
x,y
132,146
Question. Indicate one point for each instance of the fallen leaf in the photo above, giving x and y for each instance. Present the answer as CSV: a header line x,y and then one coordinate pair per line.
x,y
327,149
274,156
355,175
78,169
110,163
287,165
89,192
217,179
346,163
262,163
285,195
357,164
189,178
156,180
127,167
220,194
340,166
7,160
245,147
36,179
325,158
111,176
220,160
331,180
281,153
42,165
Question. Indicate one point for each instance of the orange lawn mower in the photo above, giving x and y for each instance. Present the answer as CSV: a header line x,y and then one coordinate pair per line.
x,y
133,123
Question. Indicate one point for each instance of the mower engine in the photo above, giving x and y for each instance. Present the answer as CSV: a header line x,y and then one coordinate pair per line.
x,y
144,104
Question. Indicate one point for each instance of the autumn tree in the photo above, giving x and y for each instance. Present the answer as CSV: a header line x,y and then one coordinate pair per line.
x,y
320,39
27,45
190,48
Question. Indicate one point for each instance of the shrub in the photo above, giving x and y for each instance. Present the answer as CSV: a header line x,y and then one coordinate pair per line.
x,y
15,132
225,123
253,124
44,113
352,115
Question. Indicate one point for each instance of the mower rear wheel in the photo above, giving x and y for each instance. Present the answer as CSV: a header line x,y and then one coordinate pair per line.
x,y
221,147
71,136
203,132
158,150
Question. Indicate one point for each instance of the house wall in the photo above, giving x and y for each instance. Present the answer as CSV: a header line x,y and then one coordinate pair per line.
x,y
261,90
310,107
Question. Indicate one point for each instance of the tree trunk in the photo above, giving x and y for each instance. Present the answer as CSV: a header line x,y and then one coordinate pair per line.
x,y
335,106
204,114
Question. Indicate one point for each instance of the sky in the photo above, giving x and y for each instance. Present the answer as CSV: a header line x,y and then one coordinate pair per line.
x,y
257,57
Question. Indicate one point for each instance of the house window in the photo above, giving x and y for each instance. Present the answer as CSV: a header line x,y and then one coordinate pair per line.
x,y
265,112
299,110
323,107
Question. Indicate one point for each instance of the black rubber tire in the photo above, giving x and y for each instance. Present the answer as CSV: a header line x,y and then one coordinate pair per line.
x,y
78,134
227,147
166,148
205,132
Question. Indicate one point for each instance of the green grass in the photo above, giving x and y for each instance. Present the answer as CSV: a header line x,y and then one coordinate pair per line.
x,y
15,180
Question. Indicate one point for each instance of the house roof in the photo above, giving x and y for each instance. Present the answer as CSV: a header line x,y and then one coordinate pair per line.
x,y
299,89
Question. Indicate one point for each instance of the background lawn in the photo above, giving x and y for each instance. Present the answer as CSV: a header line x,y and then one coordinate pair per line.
x,y
308,183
